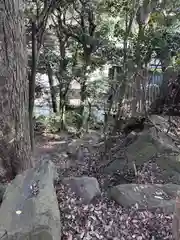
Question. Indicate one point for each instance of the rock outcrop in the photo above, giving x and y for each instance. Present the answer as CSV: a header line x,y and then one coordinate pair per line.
x,y
2,191
86,188
146,196
148,145
29,209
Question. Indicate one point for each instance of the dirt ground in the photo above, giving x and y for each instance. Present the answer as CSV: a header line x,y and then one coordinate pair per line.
x,y
103,219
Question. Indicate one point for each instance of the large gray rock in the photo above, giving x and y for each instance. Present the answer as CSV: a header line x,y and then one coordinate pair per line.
x,y
146,196
161,122
86,188
2,191
29,209
149,144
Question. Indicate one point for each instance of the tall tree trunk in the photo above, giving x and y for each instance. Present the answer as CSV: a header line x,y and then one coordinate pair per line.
x,y
83,91
62,110
38,29
14,135
62,118
32,83
89,115
52,88
121,78
81,109
166,76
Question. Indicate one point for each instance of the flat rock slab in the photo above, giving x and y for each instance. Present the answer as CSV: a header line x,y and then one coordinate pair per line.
x,y
146,196
29,209
86,188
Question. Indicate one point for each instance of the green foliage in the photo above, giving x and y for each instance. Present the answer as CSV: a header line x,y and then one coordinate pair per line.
x,y
41,119
53,123
83,36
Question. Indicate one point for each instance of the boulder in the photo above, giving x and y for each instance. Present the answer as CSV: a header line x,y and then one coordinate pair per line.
x,y
159,121
2,191
149,144
146,196
146,146
86,188
73,148
132,137
30,209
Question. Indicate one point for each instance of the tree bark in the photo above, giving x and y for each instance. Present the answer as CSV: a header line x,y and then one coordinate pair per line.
x,y
166,76
83,92
83,97
52,88
32,83
14,135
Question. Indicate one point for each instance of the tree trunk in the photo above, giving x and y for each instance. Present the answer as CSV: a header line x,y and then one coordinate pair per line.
x,y
81,109
32,83
89,115
14,134
62,118
62,110
166,76
52,88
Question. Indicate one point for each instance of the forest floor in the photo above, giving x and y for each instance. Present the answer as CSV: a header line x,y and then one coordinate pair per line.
x,y
103,218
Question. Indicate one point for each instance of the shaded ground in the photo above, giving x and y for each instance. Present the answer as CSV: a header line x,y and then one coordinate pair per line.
x,y
102,219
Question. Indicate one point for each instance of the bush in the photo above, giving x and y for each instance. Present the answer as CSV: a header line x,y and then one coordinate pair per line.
x,y
39,124
53,123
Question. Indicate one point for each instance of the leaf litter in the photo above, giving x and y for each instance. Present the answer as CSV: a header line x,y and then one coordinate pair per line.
x,y
105,219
